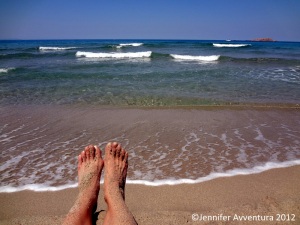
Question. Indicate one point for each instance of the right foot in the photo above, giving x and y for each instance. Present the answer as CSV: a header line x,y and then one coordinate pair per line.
x,y
116,164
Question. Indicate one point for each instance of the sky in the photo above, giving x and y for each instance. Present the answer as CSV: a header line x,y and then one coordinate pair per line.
x,y
150,19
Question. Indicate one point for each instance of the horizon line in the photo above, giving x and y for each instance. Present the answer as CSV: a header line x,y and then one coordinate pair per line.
x,y
158,39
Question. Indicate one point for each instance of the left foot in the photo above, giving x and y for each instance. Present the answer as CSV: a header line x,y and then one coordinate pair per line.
x,y
90,165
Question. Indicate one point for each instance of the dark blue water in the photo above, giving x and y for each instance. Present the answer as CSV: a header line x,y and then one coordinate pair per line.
x,y
149,72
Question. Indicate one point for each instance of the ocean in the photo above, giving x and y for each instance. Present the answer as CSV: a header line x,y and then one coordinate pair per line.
x,y
149,72
173,104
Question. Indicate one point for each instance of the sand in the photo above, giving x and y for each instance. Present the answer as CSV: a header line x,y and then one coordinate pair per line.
x,y
272,195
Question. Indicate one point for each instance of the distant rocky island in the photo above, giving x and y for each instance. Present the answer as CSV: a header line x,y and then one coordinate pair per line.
x,y
263,39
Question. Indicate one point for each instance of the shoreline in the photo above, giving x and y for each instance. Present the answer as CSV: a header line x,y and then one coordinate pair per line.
x,y
164,144
270,193
225,106
164,182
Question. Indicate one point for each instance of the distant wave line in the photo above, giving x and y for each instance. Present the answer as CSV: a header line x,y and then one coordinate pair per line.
x,y
129,44
230,45
114,55
41,48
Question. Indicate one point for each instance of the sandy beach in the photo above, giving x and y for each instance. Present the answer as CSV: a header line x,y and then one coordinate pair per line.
x,y
157,138
272,196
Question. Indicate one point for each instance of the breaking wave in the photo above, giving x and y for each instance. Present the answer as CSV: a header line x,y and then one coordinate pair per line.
x,y
114,55
55,48
129,45
6,70
230,45
197,58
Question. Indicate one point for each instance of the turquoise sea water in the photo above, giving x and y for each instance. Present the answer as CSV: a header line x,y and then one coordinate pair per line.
x,y
149,72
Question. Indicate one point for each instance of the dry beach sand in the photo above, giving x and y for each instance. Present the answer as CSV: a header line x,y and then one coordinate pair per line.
x,y
272,195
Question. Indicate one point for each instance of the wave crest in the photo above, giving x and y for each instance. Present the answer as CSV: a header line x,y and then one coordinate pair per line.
x,y
114,55
6,70
55,48
230,45
197,58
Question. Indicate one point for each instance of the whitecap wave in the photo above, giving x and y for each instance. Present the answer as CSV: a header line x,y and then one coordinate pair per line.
x,y
131,44
55,48
114,55
6,70
230,45
198,58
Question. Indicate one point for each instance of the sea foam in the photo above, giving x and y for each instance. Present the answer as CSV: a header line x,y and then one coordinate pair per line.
x,y
214,175
6,70
129,45
211,176
114,55
197,58
230,45
55,48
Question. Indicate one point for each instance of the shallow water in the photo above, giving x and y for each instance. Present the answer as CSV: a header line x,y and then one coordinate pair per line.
x,y
39,144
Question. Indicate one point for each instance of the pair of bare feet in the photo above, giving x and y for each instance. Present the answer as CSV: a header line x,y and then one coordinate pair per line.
x,y
90,165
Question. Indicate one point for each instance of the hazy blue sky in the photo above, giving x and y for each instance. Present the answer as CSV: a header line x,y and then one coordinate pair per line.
x,y
150,19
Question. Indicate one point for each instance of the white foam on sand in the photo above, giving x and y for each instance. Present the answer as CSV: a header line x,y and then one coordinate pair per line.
x,y
214,175
35,187
196,58
114,55
230,45
170,181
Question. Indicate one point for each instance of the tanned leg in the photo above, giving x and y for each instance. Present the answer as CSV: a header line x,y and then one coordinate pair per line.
x,y
116,164
90,165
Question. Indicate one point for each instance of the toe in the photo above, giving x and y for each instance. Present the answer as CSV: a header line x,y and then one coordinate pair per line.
x,y
114,148
108,149
87,153
115,144
97,152
126,157
118,150
83,156
79,160
122,154
92,151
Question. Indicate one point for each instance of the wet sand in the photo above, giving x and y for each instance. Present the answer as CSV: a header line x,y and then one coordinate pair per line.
x,y
144,132
40,143
270,195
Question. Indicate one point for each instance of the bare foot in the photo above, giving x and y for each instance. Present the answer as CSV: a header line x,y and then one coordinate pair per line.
x,y
116,164
90,165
